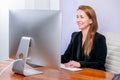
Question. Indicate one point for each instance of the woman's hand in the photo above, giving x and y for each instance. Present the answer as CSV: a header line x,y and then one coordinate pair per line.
x,y
72,64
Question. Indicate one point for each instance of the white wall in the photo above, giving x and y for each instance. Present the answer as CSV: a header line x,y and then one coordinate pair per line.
x,y
42,4
68,8
3,29
107,13
37,4
5,5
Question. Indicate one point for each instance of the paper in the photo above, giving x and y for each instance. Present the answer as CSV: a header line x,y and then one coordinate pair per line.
x,y
70,68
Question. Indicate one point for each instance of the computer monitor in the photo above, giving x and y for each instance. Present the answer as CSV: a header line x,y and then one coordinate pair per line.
x,y
44,29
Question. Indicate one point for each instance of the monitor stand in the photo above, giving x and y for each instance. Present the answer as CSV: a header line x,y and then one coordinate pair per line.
x,y
19,64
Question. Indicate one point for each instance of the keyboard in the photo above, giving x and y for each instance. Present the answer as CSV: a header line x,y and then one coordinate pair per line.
x,y
69,68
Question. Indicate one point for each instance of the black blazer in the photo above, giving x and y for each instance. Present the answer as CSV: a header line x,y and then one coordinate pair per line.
x,y
75,52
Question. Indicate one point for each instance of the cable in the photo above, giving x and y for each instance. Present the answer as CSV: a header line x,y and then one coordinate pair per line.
x,y
7,66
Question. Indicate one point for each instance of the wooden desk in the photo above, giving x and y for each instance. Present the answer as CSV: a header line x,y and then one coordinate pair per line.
x,y
51,74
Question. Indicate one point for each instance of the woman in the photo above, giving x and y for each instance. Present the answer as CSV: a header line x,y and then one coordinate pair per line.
x,y
87,47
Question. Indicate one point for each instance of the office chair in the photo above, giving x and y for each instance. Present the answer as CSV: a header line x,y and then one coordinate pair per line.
x,y
116,77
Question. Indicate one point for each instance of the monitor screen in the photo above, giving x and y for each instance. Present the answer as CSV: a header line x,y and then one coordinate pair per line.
x,y
44,29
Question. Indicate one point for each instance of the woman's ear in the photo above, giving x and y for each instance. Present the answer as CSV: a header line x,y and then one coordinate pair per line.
x,y
91,21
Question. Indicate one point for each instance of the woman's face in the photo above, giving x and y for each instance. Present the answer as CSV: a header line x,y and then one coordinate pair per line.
x,y
83,21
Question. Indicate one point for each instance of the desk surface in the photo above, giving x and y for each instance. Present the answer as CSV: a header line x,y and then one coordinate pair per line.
x,y
52,74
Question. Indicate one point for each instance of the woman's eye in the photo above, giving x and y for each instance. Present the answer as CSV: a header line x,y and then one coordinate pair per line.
x,y
77,16
81,16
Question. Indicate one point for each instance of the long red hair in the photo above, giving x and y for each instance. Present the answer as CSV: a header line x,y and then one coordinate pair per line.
x,y
92,30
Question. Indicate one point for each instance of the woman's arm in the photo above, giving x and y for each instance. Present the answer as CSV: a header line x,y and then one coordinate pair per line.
x,y
66,57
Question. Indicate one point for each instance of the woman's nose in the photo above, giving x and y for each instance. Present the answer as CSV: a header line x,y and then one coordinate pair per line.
x,y
78,19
